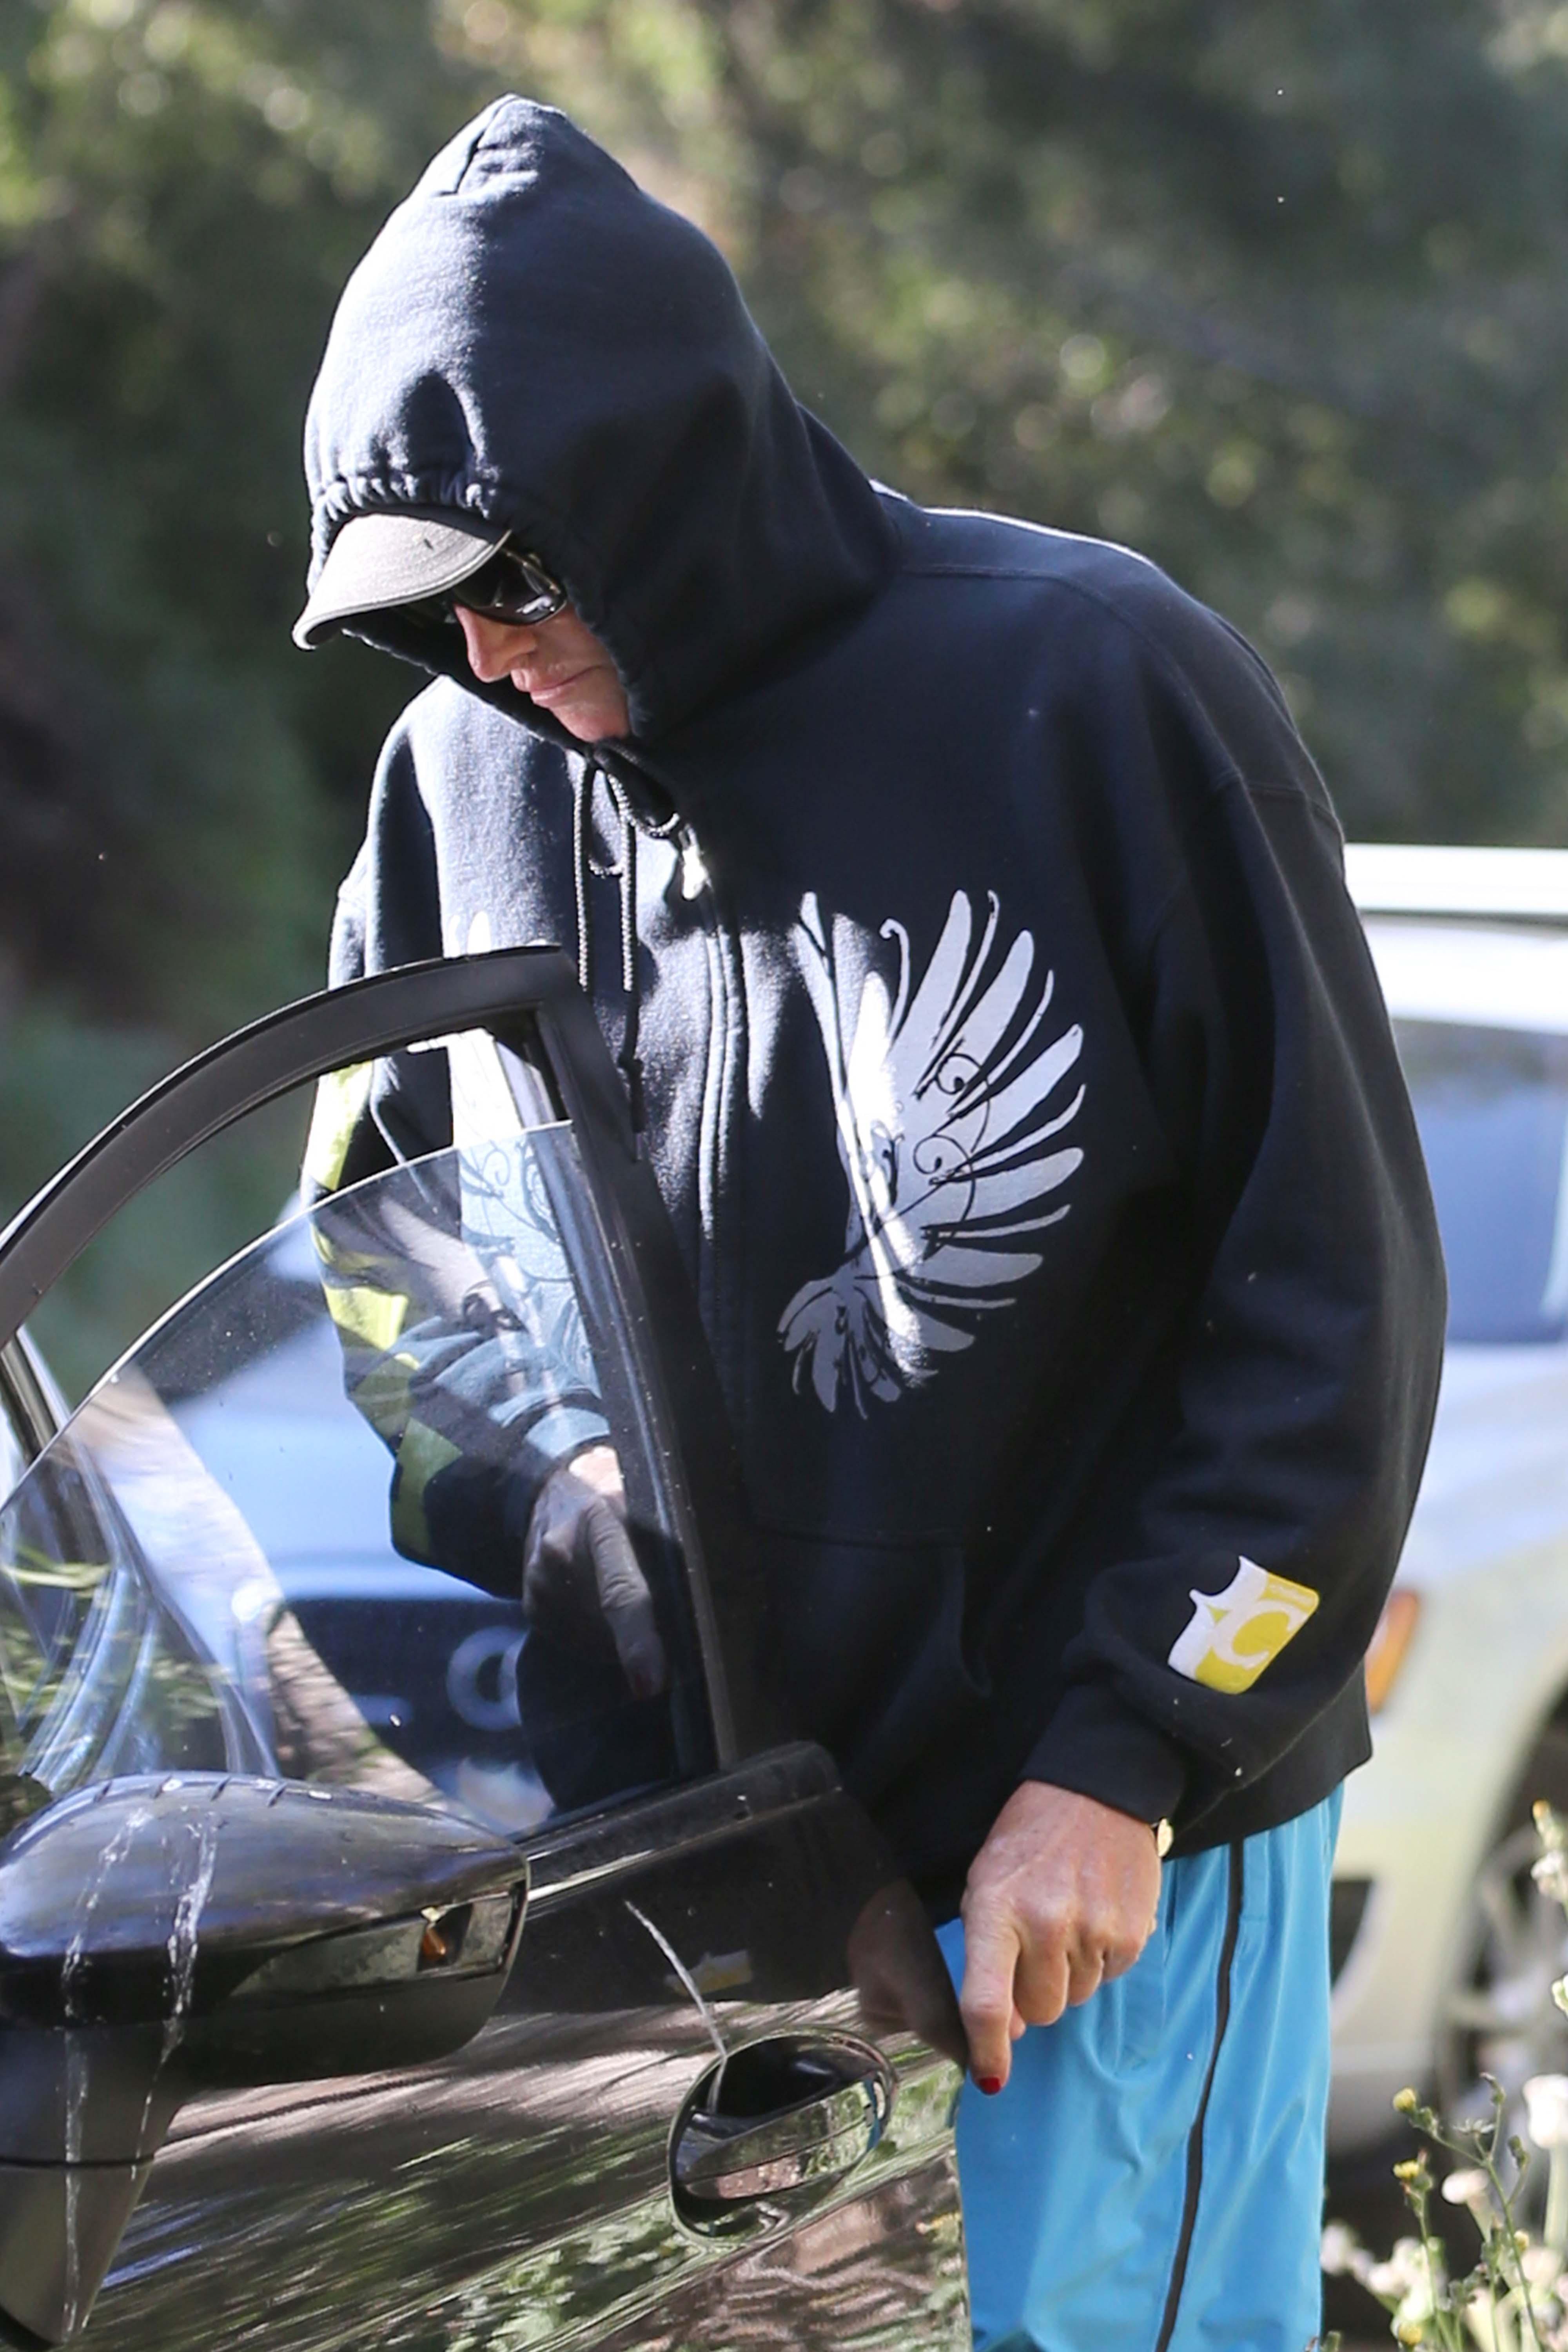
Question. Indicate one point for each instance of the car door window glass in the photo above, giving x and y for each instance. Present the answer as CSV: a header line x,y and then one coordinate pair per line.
x,y
1493,1107
306,1500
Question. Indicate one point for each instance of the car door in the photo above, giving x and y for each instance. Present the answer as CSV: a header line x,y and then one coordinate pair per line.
x,y
696,2098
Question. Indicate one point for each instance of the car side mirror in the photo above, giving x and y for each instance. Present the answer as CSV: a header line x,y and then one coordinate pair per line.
x,y
166,1935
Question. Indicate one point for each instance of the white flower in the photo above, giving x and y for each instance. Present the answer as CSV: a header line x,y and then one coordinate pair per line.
x,y
1417,2306
1546,2101
1403,2275
1339,2250
1343,2254
1470,2187
1541,2266
1551,1875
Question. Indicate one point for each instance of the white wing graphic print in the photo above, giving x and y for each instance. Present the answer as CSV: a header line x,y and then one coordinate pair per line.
x,y
946,1131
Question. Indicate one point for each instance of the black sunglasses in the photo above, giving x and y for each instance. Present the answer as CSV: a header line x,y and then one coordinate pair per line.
x,y
511,586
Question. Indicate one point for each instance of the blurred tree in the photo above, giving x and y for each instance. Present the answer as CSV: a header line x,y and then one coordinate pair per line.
x,y
176,785
1275,292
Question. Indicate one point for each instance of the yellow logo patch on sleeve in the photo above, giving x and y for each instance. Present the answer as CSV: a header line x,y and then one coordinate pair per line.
x,y
1234,1634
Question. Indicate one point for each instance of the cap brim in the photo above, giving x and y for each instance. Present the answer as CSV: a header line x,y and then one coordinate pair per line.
x,y
378,561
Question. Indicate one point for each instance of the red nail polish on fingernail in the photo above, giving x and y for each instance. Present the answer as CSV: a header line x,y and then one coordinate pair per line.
x,y
989,2084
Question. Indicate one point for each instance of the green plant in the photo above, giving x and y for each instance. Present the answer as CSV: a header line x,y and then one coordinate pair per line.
x,y
1514,2298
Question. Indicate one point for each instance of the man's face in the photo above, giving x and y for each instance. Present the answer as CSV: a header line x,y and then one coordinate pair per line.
x,y
559,663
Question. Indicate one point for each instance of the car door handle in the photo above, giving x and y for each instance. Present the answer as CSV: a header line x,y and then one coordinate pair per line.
x,y
791,2113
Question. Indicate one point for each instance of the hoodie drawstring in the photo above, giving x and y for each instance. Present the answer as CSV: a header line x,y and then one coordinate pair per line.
x,y
631,1068
582,802
625,871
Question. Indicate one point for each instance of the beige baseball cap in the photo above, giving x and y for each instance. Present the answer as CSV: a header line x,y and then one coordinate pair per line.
x,y
389,558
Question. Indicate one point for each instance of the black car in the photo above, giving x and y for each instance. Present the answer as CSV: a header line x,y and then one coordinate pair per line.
x,y
377,1967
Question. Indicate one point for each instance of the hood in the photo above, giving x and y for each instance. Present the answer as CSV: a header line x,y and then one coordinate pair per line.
x,y
532,339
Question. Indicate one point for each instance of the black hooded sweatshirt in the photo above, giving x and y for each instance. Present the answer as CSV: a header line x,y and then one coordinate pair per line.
x,y
1012,1062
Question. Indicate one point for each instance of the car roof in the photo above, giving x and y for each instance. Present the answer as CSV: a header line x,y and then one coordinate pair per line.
x,y
1476,936
1484,976
1528,885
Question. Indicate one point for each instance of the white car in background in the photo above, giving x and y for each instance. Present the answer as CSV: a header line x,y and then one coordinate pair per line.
x,y
1443,1951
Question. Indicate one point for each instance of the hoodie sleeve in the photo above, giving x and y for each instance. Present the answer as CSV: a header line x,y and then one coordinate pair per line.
x,y
1252,1565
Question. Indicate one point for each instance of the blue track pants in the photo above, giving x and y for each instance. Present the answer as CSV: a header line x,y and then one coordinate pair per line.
x,y
1152,2179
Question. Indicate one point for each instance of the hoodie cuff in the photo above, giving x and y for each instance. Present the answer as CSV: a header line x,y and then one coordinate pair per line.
x,y
1097,1747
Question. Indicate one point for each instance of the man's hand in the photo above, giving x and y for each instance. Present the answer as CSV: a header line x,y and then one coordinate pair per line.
x,y
1061,1897
580,1573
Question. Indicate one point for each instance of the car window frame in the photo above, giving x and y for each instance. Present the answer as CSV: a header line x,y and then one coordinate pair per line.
x,y
529,1001
34,1410
18,1448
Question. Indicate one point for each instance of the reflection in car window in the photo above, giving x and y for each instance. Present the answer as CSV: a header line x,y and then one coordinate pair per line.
x,y
12,1458
317,1476
97,1678
1492,1109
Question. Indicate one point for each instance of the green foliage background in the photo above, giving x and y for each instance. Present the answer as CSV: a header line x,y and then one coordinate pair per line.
x,y
1273,290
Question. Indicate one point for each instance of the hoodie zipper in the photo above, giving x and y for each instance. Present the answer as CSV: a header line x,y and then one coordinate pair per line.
x,y
698,889
724,1055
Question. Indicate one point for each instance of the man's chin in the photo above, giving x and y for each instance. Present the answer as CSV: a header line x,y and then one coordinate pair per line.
x,y
585,727
586,719
588,723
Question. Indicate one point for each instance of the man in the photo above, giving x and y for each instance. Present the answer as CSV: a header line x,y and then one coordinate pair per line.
x,y
1011,1063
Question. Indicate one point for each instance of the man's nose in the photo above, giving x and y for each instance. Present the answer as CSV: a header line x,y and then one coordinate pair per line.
x,y
494,647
